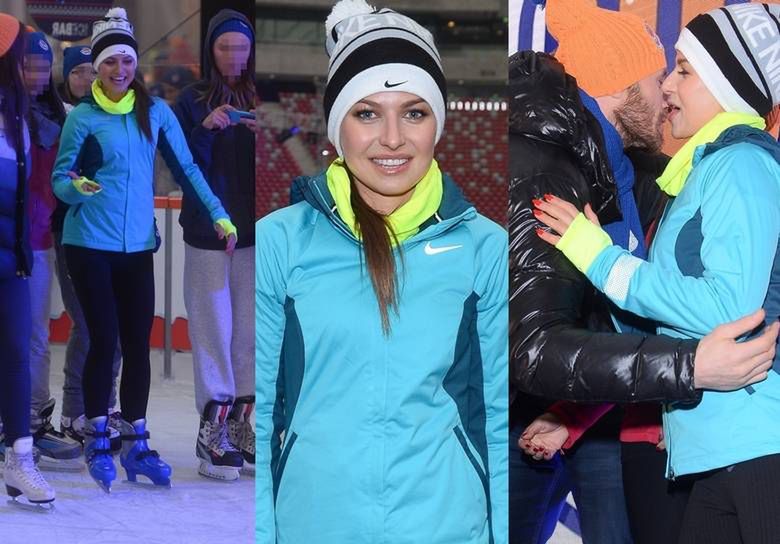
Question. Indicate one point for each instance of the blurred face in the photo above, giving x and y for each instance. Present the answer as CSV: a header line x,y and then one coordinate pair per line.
x,y
640,119
116,73
37,72
231,54
80,79
387,140
689,103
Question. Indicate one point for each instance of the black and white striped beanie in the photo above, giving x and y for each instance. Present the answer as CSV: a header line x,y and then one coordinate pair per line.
x,y
113,35
736,52
375,50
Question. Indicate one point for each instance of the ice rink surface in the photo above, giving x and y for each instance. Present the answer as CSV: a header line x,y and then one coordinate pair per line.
x,y
194,511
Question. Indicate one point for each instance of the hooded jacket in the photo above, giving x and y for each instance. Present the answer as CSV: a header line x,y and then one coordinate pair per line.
x,y
226,158
111,150
399,438
563,343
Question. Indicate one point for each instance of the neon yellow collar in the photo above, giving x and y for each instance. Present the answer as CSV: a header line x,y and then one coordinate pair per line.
x,y
122,107
676,173
406,220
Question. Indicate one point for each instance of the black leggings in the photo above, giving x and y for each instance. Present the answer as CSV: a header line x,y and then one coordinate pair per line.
x,y
655,505
116,293
735,505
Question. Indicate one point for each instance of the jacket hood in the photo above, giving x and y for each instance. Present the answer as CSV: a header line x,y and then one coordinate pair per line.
x,y
218,19
545,105
743,134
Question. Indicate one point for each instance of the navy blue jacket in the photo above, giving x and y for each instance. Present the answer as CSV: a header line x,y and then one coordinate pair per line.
x,y
15,252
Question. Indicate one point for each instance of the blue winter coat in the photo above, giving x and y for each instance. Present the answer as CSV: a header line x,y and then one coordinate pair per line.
x,y
713,260
399,438
111,150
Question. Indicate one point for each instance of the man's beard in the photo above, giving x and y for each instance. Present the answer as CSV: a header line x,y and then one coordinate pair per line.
x,y
637,124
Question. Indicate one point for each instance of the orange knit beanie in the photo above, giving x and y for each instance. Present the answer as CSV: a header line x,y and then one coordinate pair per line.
x,y
606,51
9,29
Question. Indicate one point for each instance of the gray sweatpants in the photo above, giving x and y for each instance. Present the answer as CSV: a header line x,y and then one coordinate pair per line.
x,y
78,343
219,294
40,307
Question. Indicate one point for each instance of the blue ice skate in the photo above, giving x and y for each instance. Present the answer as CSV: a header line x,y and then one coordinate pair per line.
x,y
97,452
138,459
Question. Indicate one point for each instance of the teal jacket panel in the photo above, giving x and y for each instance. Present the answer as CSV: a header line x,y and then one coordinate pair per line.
x,y
111,150
399,438
713,260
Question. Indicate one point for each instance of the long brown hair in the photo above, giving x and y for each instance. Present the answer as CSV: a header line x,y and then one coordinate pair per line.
x,y
378,238
142,104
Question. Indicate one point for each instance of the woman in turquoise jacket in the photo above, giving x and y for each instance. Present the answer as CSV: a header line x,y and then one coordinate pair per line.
x,y
105,172
381,319
714,259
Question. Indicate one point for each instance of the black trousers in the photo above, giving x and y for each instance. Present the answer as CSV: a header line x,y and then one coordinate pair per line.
x,y
655,505
739,504
15,330
116,293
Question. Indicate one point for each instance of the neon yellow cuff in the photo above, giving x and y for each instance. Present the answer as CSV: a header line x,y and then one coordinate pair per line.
x,y
228,227
582,242
79,184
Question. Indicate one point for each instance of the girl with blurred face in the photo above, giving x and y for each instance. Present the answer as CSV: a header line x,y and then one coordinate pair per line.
x,y
218,287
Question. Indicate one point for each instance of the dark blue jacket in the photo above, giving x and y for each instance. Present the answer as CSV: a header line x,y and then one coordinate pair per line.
x,y
226,158
15,252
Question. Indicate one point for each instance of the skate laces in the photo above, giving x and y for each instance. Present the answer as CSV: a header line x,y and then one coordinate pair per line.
x,y
242,435
218,437
29,471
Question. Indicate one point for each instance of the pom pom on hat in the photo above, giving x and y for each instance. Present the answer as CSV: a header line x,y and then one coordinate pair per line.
x,y
345,9
113,35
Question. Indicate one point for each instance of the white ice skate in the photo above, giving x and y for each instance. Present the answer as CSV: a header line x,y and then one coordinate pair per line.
x,y
23,481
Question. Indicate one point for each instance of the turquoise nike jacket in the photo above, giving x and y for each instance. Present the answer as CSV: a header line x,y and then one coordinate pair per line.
x,y
366,438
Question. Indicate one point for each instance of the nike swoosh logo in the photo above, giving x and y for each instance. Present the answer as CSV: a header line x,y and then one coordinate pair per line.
x,y
391,85
429,250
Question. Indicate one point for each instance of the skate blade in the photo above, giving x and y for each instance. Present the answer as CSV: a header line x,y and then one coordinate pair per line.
x,y
248,470
46,507
62,465
148,484
106,487
220,474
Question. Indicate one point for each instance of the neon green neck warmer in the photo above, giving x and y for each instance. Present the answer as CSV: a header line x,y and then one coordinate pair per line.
x,y
406,220
673,179
109,106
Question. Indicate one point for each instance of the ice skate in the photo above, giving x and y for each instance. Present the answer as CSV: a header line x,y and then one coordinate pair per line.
x,y
97,452
136,457
23,481
219,459
36,453
240,432
73,428
57,451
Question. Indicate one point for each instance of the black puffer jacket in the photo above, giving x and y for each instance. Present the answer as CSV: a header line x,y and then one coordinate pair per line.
x,y
563,344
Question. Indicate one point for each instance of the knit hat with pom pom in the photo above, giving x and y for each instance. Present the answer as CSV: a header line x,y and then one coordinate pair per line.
x,y
376,50
606,51
113,35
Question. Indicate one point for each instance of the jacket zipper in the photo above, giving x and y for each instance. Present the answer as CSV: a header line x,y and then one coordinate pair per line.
x,y
668,442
